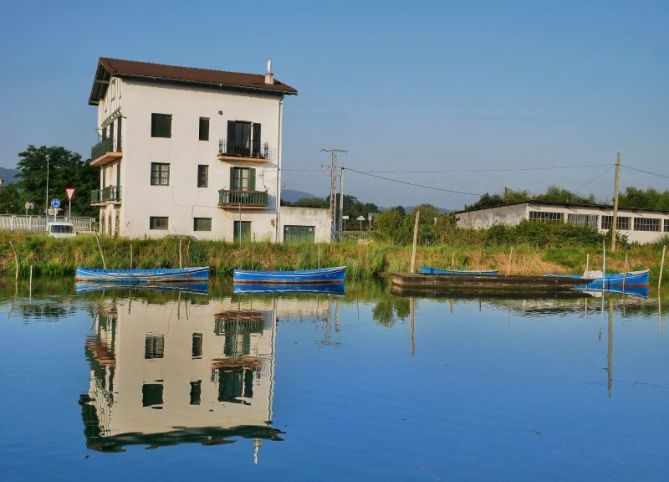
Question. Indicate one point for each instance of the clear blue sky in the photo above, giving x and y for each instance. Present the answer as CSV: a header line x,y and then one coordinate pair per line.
x,y
402,85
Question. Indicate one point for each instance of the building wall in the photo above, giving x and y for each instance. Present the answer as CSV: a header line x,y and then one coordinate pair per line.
x,y
319,218
513,215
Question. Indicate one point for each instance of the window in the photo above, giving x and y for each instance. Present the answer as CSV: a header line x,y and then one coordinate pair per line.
x,y
242,231
202,175
197,345
204,129
201,224
234,383
646,224
243,139
622,222
152,394
242,179
160,174
158,222
154,347
666,225
299,234
583,219
195,392
161,125
545,216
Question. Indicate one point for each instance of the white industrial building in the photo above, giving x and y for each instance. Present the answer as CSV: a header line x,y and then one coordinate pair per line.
x,y
194,152
638,225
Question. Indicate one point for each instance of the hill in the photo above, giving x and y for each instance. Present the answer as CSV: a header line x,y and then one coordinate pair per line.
x,y
8,175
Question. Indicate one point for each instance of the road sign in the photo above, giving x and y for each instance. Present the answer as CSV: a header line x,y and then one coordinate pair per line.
x,y
69,191
55,203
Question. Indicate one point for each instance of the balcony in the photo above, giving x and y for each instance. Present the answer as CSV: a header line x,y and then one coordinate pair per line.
x,y
228,199
244,152
110,194
103,153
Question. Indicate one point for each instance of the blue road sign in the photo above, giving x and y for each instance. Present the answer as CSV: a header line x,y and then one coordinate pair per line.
x,y
55,203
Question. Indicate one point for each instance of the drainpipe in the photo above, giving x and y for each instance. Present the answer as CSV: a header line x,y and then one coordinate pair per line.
x,y
278,170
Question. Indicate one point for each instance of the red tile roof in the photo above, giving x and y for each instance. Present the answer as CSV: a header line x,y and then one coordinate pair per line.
x,y
171,73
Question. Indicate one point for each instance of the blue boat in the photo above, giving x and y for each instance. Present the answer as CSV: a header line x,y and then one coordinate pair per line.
x,y
306,276
462,272
141,276
323,288
611,280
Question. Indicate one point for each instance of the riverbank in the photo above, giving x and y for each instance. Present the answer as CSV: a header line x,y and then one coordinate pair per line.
x,y
60,257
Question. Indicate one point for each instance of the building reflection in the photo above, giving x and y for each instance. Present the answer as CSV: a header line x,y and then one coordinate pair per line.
x,y
184,369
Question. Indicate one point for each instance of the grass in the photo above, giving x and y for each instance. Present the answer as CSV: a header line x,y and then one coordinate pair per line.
x,y
53,257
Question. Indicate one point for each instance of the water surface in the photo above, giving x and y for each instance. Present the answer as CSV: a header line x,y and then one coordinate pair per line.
x,y
149,385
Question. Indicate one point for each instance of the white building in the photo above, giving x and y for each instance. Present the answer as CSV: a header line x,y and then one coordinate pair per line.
x,y
192,152
638,225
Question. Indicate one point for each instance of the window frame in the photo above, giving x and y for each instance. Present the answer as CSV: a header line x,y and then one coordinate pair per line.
x,y
546,216
206,175
153,223
156,127
158,176
195,224
203,129
647,225
622,223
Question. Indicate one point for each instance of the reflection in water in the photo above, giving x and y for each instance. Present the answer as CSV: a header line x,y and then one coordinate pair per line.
x,y
175,368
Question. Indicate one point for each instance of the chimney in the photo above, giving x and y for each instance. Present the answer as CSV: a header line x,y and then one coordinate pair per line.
x,y
269,76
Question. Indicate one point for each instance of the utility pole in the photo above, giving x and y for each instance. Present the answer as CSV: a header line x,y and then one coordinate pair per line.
x,y
616,192
341,202
333,189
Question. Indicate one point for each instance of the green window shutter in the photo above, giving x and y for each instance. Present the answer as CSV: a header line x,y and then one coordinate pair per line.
x,y
232,178
252,179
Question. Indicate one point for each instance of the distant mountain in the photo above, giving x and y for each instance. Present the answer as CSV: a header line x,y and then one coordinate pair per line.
x,y
293,196
8,175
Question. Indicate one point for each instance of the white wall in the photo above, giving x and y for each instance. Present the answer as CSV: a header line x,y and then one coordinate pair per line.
x,y
513,215
319,218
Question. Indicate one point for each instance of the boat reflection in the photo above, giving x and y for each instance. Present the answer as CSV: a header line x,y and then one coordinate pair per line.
x,y
170,368
194,287
326,288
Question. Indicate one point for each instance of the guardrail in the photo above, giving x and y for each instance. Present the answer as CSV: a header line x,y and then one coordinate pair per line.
x,y
232,149
101,148
255,199
19,222
108,194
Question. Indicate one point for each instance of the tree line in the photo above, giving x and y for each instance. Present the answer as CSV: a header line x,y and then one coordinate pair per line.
x,y
66,169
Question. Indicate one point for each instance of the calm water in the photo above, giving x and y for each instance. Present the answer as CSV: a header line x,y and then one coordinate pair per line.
x,y
137,385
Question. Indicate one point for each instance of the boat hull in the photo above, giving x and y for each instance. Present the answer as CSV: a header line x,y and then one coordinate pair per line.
x,y
308,276
142,276
428,270
613,280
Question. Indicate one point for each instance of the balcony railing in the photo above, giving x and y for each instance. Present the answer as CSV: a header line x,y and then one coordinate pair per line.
x,y
102,148
242,199
108,194
245,151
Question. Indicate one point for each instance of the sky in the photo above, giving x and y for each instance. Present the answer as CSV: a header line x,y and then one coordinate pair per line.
x,y
470,96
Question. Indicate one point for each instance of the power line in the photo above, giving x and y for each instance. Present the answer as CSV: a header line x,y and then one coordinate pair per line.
x,y
510,169
434,188
646,172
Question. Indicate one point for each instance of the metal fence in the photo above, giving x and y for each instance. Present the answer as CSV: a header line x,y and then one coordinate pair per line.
x,y
17,222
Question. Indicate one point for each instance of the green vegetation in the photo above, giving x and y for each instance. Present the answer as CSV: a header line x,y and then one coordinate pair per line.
x,y
538,248
509,196
66,169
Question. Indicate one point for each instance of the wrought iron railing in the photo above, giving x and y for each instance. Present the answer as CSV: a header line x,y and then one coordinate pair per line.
x,y
234,149
102,148
227,197
108,194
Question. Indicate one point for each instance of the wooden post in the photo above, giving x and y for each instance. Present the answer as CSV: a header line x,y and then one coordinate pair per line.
x,y
659,280
16,261
603,268
102,255
587,262
508,269
616,189
453,259
180,263
625,273
188,249
415,242
131,255
30,283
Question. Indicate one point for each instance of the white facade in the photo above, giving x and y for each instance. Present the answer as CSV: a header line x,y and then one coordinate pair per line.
x,y
144,176
638,225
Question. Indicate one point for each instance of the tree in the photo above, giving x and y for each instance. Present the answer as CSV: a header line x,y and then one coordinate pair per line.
x,y
9,199
66,169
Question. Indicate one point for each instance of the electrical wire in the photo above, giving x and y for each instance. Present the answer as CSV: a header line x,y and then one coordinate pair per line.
x,y
424,186
645,172
510,169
